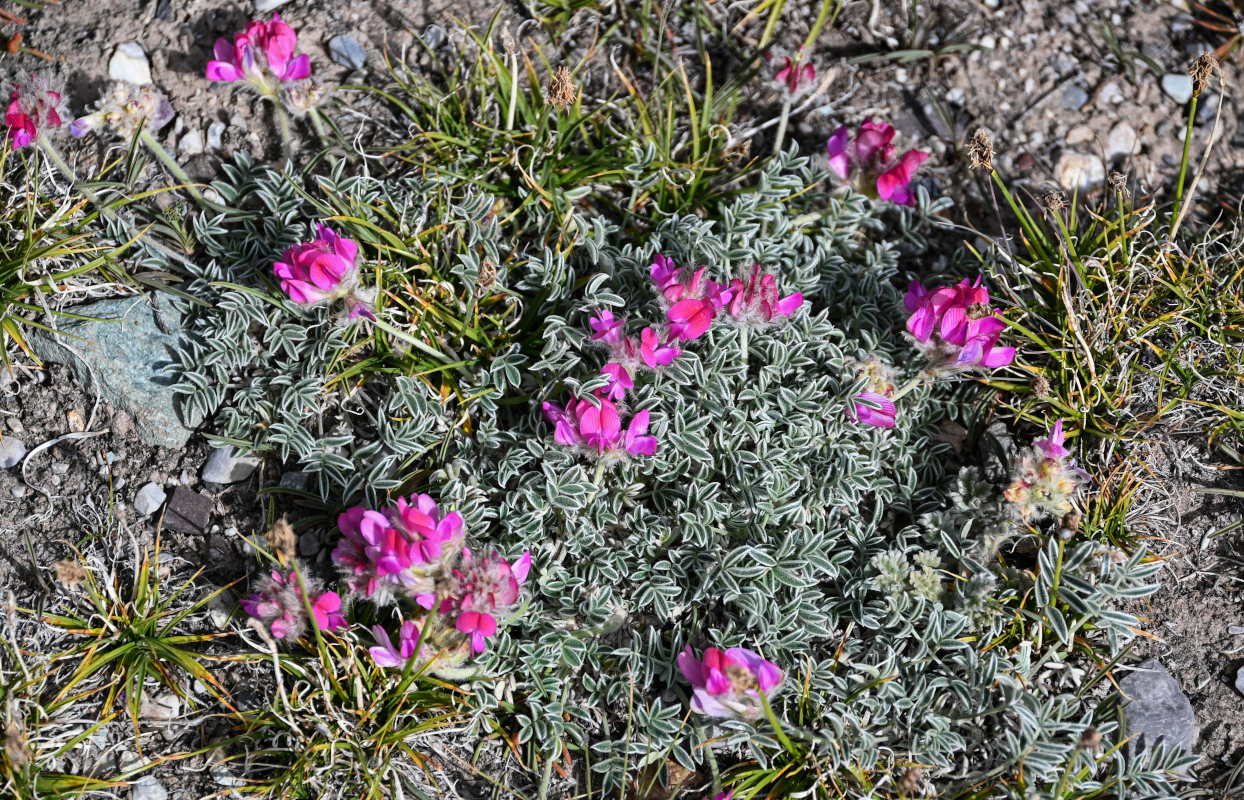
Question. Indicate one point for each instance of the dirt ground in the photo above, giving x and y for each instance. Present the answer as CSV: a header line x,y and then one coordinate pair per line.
x,y
1067,89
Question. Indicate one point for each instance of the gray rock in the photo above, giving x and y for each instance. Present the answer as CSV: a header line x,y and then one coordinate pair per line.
x,y
1154,708
434,36
123,355
1121,140
1178,86
161,708
129,63
264,6
148,788
149,499
1239,680
214,133
308,544
1076,171
346,51
1074,98
192,143
224,465
12,451
298,481
187,511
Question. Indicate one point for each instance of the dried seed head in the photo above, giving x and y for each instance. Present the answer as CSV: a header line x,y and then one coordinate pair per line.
x,y
1090,739
910,783
1053,200
561,89
1068,527
69,573
282,540
1118,183
487,278
1201,69
980,150
1040,386
15,748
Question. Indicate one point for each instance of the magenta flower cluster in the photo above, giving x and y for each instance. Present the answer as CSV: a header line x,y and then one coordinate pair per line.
x,y
262,56
692,302
281,605
35,105
322,271
868,162
730,683
412,551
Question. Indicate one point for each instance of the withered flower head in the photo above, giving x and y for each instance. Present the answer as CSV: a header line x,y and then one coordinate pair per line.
x,y
1053,200
303,96
487,278
1201,69
282,540
1068,527
1090,739
910,784
15,748
1118,183
980,150
1040,386
69,573
561,89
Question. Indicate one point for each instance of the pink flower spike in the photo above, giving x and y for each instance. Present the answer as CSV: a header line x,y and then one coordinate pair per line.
x,y
689,319
479,625
663,271
36,105
1053,445
839,160
322,270
882,416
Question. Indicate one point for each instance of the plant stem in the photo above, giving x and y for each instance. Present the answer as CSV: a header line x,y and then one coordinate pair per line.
x,y
713,769
781,131
177,172
282,125
1183,163
777,726
416,343
322,133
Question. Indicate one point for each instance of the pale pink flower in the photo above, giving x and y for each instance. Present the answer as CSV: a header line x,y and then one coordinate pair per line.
x,y
955,327
607,328
868,162
756,302
729,684
323,270
36,104
484,589
264,51
620,381
279,605
881,416
1047,479
387,655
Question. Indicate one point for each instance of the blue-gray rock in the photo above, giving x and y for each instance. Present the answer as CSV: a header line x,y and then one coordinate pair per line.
x,y
148,788
1178,87
346,51
224,465
123,355
1154,708
149,499
1074,98
12,451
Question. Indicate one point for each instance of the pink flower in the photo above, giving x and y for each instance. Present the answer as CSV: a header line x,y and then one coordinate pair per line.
x,y
756,302
484,588
581,424
607,328
695,300
279,604
1053,446
36,104
1047,479
241,61
619,381
882,416
402,548
955,327
792,74
323,270
724,795
689,319
386,655
729,684
869,163
655,354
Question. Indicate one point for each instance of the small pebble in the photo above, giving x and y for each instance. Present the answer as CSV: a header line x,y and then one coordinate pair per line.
x,y
308,544
1235,630
60,467
12,450
1076,171
214,133
161,708
1121,141
1110,94
434,36
129,63
225,466
18,491
149,499
192,143
1178,86
1074,98
16,425
346,51
74,418
148,788
1080,134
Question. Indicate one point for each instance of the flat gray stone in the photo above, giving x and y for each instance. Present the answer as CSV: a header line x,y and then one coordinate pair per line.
x,y
12,451
224,465
148,788
1155,709
346,51
124,358
149,499
187,511
1178,87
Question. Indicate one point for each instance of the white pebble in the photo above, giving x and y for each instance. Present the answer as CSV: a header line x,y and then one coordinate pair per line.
x,y
149,499
148,788
1078,171
214,133
1178,87
129,63
1121,141
192,143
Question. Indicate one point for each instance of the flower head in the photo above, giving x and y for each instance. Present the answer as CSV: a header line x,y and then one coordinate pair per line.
x,y
262,53
874,409
1046,478
694,300
323,270
401,548
755,301
36,104
955,326
124,108
729,684
794,74
599,428
869,164
279,604
483,590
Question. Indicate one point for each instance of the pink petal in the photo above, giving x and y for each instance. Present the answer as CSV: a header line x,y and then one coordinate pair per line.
x,y
298,69
223,71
